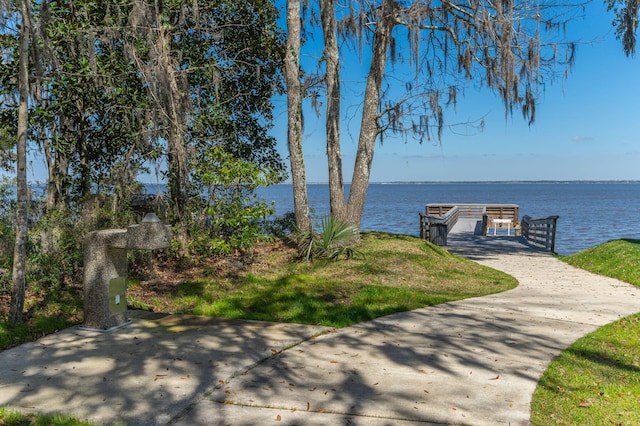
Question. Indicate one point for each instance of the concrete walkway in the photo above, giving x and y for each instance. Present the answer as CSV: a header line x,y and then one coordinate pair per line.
x,y
475,361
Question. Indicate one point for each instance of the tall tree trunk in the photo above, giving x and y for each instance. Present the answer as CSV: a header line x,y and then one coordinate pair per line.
x,y
175,110
334,156
20,249
160,75
52,184
294,115
178,175
58,160
84,186
369,128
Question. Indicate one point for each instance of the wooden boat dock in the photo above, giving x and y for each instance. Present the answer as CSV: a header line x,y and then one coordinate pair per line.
x,y
486,220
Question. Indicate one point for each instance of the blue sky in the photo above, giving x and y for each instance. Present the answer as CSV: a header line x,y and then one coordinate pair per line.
x,y
587,126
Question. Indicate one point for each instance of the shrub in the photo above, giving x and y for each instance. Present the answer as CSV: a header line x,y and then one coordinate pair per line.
x,y
233,219
335,241
281,226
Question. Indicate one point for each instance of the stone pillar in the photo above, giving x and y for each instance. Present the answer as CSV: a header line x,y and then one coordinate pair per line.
x,y
105,279
106,269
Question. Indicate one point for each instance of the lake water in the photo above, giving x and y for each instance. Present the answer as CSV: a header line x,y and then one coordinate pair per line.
x,y
590,213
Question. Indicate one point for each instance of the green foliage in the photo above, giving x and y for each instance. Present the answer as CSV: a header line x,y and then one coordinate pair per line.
x,y
49,309
54,251
281,226
248,55
7,200
627,13
7,142
336,240
15,418
53,276
234,215
94,114
98,113
98,116
7,236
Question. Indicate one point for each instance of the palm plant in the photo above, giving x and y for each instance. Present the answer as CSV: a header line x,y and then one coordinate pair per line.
x,y
336,240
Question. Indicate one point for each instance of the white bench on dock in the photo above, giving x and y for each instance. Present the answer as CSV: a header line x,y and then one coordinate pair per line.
x,y
497,222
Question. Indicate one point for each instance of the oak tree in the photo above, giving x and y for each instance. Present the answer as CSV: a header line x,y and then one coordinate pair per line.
x,y
510,47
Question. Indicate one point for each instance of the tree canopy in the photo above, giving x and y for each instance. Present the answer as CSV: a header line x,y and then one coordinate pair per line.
x,y
119,85
627,13
109,89
420,55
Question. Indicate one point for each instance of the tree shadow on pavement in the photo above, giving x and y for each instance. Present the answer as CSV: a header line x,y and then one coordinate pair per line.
x,y
144,373
443,364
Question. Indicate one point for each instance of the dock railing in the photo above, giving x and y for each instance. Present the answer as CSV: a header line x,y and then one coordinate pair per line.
x,y
436,227
499,216
440,218
465,211
540,231
506,214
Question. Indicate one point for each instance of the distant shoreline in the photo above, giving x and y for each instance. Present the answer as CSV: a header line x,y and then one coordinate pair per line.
x,y
489,182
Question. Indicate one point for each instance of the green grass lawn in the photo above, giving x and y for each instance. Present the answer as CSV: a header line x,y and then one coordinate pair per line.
x,y
596,381
47,310
15,418
397,273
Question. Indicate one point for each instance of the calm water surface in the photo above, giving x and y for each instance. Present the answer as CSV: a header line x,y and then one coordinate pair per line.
x,y
590,213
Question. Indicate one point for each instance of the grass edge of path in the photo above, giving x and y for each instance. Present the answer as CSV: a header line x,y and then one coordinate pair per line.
x,y
597,379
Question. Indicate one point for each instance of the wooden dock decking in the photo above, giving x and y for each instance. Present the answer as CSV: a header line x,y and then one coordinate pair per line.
x,y
467,226
442,220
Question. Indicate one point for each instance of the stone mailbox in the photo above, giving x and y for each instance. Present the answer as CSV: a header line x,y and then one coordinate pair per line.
x,y
105,269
